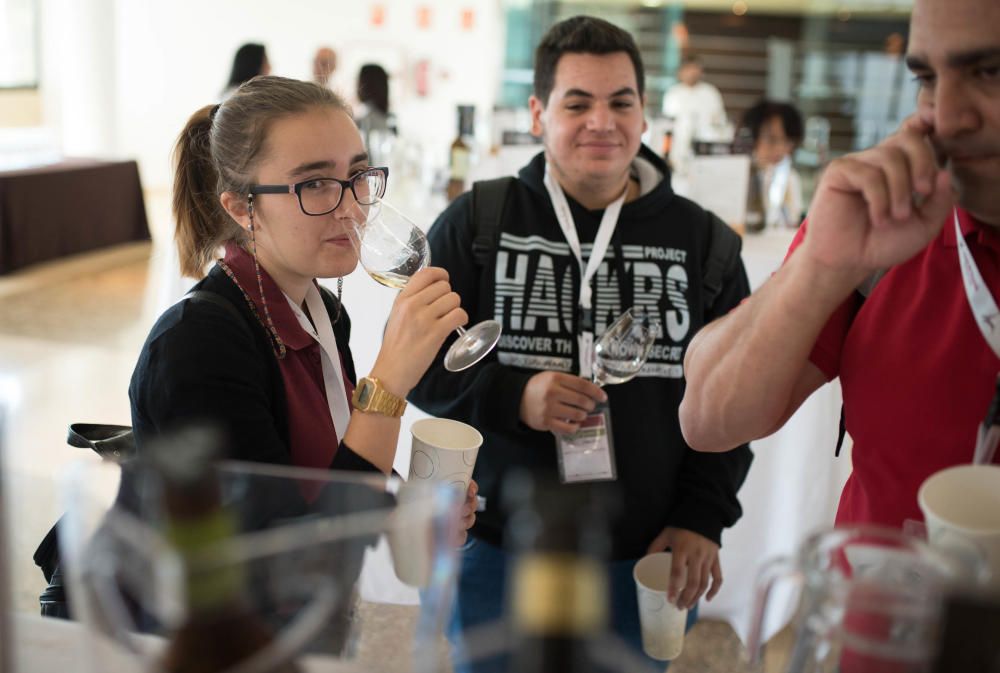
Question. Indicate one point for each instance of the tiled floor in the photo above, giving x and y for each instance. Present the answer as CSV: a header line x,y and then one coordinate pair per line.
x,y
69,336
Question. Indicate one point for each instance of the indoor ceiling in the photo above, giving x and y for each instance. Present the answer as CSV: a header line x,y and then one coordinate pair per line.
x,y
866,7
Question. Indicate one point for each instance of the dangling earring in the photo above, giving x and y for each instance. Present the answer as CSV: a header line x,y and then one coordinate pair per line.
x,y
279,351
340,300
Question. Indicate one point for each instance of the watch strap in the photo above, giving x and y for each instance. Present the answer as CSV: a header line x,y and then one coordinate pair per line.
x,y
380,401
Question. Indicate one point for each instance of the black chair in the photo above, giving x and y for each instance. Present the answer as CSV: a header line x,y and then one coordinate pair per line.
x,y
111,442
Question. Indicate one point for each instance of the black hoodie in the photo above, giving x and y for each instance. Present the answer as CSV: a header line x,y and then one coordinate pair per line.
x,y
531,286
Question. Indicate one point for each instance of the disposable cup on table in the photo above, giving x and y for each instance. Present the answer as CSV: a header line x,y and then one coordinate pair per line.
x,y
662,622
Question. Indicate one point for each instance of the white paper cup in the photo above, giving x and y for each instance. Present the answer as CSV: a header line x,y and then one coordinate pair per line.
x,y
662,623
961,506
411,535
444,450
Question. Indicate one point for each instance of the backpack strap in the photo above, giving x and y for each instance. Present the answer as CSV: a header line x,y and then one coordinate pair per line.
x,y
868,284
723,253
488,200
864,290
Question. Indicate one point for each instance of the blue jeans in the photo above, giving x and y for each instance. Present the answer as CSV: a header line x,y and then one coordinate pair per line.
x,y
482,590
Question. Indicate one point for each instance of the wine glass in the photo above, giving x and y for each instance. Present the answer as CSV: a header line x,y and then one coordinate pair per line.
x,y
622,350
624,347
391,248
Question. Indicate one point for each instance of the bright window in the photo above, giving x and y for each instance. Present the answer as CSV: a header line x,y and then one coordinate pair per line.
x,y
18,44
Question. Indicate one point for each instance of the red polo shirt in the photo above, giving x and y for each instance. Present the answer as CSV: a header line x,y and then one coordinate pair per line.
x,y
312,438
916,373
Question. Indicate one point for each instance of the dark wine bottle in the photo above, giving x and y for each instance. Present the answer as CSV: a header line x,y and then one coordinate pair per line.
x,y
558,597
460,153
221,628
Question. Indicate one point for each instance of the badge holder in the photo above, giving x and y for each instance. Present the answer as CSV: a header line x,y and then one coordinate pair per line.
x,y
589,453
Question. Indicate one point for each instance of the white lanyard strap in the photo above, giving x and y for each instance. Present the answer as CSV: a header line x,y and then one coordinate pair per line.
x,y
984,307
601,241
333,375
607,227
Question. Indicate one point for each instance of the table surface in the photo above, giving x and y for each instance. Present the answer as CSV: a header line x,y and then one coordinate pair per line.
x,y
44,645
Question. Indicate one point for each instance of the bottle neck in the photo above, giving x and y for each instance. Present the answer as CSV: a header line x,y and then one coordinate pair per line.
x,y
213,578
466,122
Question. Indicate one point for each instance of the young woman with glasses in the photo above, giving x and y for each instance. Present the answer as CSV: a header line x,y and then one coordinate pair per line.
x,y
277,176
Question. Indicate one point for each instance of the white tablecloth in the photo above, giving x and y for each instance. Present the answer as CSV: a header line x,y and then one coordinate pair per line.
x,y
794,483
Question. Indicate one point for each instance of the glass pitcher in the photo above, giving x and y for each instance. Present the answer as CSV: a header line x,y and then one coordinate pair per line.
x,y
870,600
302,537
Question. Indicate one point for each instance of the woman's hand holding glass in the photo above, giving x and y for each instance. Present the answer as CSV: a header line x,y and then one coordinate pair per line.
x,y
423,315
391,248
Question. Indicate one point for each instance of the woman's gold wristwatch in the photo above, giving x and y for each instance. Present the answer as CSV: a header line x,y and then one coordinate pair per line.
x,y
370,397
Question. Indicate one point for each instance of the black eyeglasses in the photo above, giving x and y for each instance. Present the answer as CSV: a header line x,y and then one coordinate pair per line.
x,y
320,196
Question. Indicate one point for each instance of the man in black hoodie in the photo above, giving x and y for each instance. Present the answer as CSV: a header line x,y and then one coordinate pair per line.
x,y
594,192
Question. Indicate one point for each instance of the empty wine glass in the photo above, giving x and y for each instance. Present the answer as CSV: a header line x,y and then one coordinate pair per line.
x,y
391,248
622,351
624,347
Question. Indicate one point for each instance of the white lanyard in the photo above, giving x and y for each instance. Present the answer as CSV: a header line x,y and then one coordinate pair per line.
x,y
984,308
604,232
333,375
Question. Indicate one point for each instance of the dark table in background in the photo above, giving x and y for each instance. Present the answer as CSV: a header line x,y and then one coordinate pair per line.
x,y
48,212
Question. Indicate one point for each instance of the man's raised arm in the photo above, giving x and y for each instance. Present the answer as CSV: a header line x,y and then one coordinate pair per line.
x,y
749,371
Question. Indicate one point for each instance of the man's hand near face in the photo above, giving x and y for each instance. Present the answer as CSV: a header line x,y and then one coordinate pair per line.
x,y
877,208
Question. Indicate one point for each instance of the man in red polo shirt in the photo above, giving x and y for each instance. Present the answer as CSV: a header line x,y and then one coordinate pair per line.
x,y
918,359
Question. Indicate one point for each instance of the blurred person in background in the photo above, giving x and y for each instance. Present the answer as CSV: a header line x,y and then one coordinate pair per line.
x,y
524,259
373,118
891,285
775,195
324,65
696,108
249,61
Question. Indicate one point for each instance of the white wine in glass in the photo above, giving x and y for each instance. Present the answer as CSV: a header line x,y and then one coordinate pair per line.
x,y
391,249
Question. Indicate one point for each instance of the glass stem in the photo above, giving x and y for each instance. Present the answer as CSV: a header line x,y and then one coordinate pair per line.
x,y
461,331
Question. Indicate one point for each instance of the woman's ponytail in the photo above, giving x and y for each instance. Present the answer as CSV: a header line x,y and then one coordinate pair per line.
x,y
217,152
202,225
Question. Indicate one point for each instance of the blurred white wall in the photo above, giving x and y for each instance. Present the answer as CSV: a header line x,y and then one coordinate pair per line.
x,y
120,77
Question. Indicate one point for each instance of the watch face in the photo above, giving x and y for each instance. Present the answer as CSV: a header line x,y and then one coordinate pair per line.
x,y
364,393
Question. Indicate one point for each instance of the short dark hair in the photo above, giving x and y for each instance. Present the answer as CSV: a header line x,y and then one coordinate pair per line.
x,y
581,35
247,63
373,87
791,120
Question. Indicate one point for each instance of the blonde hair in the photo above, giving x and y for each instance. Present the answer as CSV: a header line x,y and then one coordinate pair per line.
x,y
218,151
